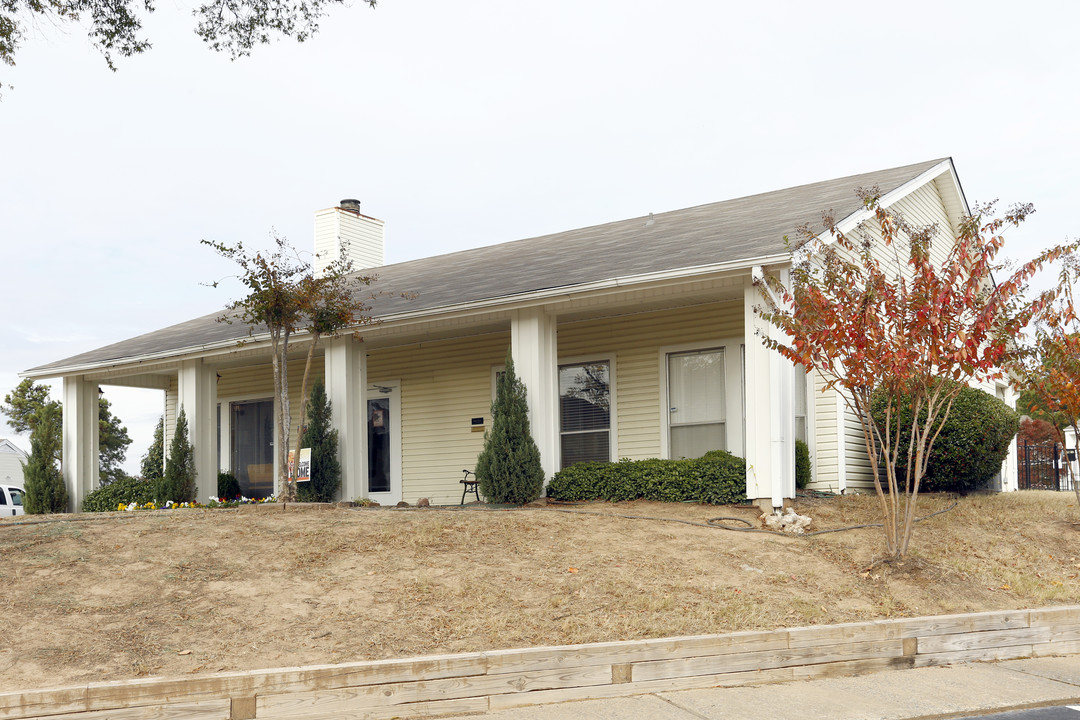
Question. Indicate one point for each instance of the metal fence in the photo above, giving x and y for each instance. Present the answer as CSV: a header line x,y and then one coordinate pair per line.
x,y
1041,466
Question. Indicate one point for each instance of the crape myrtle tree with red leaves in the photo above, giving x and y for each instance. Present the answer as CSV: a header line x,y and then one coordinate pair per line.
x,y
285,297
876,315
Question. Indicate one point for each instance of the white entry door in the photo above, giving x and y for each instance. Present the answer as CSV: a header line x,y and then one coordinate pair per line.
x,y
383,481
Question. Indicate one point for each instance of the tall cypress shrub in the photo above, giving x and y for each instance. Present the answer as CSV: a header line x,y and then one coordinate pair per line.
x,y
508,468
153,462
323,441
44,483
178,485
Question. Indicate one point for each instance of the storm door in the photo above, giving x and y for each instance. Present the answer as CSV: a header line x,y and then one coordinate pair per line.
x,y
384,443
251,429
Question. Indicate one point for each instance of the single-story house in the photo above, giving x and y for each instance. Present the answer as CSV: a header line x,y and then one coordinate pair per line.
x,y
635,339
12,459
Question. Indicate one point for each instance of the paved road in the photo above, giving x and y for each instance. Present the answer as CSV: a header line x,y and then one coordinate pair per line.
x,y
951,691
1059,712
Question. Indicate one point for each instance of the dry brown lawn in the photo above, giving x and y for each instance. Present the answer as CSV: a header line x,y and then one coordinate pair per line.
x,y
123,595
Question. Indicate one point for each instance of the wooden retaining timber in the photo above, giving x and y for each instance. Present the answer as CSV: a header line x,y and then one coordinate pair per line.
x,y
479,682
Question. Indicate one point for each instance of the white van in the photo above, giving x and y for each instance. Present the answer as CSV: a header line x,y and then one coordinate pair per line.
x,y
11,498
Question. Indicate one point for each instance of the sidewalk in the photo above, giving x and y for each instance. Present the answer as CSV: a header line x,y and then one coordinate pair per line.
x,y
934,692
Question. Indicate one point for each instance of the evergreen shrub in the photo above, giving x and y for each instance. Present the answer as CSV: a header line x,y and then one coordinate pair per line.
x,y
804,471
178,485
323,441
508,469
228,487
971,447
125,491
716,478
44,487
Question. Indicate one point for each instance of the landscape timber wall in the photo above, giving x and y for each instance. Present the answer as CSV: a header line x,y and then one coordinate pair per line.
x,y
479,682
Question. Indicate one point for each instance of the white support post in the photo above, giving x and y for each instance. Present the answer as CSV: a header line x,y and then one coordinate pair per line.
x,y
80,445
770,418
534,346
197,395
346,380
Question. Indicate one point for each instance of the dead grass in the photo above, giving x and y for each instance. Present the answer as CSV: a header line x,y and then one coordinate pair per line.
x,y
196,591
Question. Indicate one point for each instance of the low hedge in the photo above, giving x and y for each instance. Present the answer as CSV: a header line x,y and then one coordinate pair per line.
x,y
717,478
126,490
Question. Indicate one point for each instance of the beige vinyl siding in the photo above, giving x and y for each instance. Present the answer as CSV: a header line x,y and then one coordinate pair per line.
x,y
636,341
923,206
172,394
443,386
857,463
826,466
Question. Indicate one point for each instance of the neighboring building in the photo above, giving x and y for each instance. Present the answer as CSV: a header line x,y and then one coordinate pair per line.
x,y
635,339
12,459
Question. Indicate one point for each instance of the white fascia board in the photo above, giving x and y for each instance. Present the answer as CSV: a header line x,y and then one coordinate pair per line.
x,y
859,216
506,302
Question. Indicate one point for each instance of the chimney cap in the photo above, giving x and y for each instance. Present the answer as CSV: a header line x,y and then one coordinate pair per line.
x,y
350,204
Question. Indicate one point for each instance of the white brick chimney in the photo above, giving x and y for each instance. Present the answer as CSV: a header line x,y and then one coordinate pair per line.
x,y
344,229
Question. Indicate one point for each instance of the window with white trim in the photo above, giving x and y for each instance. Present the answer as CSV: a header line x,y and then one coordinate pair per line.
x,y
585,412
798,393
697,414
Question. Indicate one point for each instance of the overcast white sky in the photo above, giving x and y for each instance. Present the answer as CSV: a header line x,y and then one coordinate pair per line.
x,y
470,123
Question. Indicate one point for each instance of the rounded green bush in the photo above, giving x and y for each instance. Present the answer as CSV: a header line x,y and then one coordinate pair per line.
x,y
228,487
125,491
717,478
973,443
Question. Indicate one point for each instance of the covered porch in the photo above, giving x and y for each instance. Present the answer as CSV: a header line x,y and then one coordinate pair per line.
x,y
668,368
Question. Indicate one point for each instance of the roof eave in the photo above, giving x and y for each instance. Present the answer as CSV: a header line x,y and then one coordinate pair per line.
x,y
506,302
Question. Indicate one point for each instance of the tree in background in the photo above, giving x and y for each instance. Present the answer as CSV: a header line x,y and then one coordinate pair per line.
x,y
508,468
113,442
232,26
153,462
323,441
44,483
23,405
286,297
897,326
1035,431
178,484
1049,367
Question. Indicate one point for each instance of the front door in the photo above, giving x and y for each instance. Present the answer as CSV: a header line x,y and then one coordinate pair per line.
x,y
383,483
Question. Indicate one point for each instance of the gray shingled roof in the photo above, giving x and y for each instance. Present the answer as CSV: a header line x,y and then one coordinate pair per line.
x,y
727,231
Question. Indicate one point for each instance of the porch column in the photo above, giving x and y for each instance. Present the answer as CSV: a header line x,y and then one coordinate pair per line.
x,y
534,346
770,418
197,395
346,380
79,454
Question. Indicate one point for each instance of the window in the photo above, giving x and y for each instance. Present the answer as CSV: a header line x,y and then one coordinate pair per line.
x,y
697,416
17,496
798,393
585,412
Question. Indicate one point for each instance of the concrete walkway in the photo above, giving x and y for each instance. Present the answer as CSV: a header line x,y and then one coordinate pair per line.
x,y
936,692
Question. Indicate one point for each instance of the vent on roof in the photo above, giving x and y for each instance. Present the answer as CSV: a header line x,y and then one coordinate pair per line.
x,y
350,205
